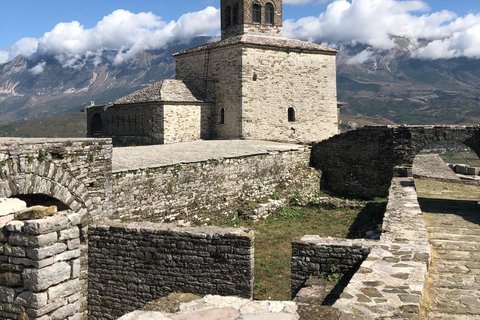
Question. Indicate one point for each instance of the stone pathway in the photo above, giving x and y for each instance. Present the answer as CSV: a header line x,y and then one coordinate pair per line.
x,y
453,284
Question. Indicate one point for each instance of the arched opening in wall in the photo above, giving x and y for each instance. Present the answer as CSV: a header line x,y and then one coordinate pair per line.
x,y
41,200
96,124
269,14
256,13
291,114
222,116
448,191
236,14
228,16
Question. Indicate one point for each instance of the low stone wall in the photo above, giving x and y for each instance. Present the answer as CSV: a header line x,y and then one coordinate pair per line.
x,y
40,265
390,281
212,191
311,258
132,264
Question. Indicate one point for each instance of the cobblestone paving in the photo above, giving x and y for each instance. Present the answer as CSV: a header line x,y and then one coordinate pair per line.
x,y
454,277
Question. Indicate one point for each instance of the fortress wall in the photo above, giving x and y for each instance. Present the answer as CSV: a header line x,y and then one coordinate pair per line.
x,y
214,191
132,264
276,80
40,268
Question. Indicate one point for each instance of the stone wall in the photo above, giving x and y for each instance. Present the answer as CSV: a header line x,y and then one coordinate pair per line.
x,y
40,269
132,264
256,83
213,191
314,258
390,281
276,80
152,123
362,162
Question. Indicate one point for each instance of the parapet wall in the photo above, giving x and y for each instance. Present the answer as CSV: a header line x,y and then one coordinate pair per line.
x,y
132,264
40,269
211,191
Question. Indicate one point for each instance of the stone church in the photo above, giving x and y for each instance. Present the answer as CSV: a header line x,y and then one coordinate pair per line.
x,y
252,84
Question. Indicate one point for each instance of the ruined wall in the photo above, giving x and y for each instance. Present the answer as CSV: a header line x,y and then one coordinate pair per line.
x,y
279,79
40,266
211,191
132,264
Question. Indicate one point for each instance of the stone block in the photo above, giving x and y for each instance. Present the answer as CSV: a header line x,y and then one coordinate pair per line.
x,y
45,252
6,294
32,300
33,241
67,255
76,268
41,279
11,205
470,171
15,226
460,168
46,225
72,233
48,308
73,244
14,251
63,290
35,212
32,263
65,311
11,279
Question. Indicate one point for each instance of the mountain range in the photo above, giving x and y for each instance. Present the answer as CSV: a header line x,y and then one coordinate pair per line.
x,y
389,87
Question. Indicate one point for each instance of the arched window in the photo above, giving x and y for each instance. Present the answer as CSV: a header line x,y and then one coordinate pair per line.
x,y
96,124
269,14
291,115
235,14
256,13
222,116
228,16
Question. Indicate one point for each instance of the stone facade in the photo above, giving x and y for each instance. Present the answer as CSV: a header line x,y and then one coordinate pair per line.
x,y
132,264
212,191
252,84
40,265
361,163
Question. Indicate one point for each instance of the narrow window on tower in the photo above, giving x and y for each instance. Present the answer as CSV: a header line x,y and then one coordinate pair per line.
x,y
269,14
222,116
235,14
256,13
228,16
291,115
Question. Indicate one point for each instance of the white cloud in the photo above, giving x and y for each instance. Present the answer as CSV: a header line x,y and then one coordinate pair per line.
x,y
122,31
362,57
374,22
38,68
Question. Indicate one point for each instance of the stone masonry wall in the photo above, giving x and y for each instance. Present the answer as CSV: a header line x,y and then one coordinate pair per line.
x,y
223,84
391,276
186,122
313,259
132,264
211,191
40,265
276,80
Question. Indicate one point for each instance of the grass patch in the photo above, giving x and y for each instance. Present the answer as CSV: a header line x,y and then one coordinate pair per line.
x,y
273,237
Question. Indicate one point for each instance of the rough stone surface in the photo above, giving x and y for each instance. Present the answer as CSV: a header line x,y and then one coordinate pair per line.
x,y
40,279
152,260
11,205
35,212
362,162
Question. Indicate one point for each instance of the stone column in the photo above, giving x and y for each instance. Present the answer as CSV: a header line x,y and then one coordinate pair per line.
x,y
40,264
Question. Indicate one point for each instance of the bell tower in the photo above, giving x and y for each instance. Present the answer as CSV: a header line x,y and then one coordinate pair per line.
x,y
251,17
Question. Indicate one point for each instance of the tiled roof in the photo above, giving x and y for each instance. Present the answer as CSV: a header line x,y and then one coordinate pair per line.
x,y
165,91
274,42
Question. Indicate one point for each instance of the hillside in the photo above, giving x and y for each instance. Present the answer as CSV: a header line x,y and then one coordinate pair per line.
x,y
390,85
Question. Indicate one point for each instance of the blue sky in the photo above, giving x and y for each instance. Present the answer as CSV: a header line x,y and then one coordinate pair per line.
x,y
453,24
